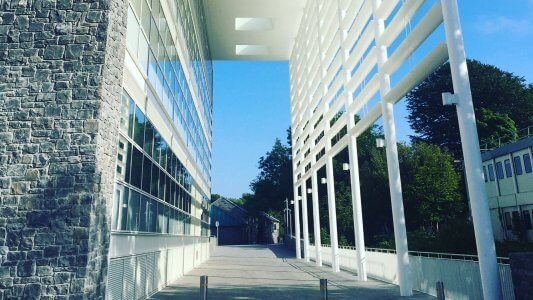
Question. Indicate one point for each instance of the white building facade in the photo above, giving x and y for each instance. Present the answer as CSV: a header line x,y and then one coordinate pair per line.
x,y
508,172
160,215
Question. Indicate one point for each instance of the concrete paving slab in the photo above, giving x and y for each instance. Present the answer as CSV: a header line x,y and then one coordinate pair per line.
x,y
272,272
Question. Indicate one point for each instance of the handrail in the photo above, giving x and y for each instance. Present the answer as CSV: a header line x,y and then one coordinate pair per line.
x,y
440,255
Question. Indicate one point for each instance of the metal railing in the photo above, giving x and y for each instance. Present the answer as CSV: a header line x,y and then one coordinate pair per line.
x,y
454,256
507,139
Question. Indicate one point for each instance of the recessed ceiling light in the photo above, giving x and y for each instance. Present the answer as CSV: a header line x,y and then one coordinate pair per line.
x,y
253,24
251,50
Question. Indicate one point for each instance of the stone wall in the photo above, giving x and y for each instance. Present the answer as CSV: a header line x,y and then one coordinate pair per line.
x,y
60,83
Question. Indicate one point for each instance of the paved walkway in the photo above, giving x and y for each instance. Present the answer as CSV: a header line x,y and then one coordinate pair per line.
x,y
271,272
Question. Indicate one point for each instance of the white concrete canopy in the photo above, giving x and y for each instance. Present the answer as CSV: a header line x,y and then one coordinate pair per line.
x,y
253,29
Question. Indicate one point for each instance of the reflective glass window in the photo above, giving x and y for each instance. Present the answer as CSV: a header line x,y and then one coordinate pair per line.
x,y
517,165
138,130
508,168
133,211
491,172
143,213
527,163
147,174
136,167
499,170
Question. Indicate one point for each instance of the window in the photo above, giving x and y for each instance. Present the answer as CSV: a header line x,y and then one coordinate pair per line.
x,y
125,114
136,167
143,213
527,163
152,217
516,220
148,138
508,221
133,211
485,174
527,219
517,165
138,127
491,172
132,34
508,169
147,174
499,170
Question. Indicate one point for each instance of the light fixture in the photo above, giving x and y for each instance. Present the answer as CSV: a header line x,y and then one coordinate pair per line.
x,y
323,180
380,143
309,191
346,166
299,197
292,201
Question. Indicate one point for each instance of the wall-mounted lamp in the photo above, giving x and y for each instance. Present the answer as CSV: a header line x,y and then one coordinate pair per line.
x,y
346,166
292,201
309,191
323,180
299,197
380,143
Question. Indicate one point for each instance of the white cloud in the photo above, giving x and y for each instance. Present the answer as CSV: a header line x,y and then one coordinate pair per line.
x,y
502,24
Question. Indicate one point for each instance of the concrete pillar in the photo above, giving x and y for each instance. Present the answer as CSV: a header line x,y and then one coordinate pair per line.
x,y
316,219
332,216
357,210
490,277
305,221
393,166
297,223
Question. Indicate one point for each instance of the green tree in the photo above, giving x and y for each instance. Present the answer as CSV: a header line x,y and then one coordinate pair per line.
x,y
502,93
274,183
434,188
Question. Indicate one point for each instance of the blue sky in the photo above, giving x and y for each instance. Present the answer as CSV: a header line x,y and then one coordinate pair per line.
x,y
251,99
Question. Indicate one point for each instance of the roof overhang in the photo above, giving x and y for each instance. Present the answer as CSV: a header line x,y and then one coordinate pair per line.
x,y
252,29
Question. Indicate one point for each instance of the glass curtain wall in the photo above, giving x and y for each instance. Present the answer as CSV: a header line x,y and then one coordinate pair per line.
x,y
154,190
150,40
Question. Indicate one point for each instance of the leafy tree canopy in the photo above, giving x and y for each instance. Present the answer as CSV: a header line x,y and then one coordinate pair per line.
x,y
503,103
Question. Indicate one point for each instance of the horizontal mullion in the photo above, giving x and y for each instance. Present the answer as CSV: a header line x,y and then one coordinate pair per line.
x,y
400,21
362,71
418,35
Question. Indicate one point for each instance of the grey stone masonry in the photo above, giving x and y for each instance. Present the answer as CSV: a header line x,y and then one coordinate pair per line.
x,y
61,65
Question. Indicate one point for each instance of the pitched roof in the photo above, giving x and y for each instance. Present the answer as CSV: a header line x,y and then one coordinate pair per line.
x,y
231,208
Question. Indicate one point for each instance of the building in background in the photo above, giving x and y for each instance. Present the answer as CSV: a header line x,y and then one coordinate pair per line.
x,y
235,225
508,172
268,229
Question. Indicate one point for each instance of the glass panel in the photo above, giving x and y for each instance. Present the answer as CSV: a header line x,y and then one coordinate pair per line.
x,y
143,53
152,217
517,165
148,138
123,210
499,170
117,204
154,190
167,189
145,17
485,174
508,169
527,219
131,111
124,113
157,146
147,174
143,213
527,163
132,34
162,179
161,224
123,159
136,6
133,211
491,172
138,131
136,167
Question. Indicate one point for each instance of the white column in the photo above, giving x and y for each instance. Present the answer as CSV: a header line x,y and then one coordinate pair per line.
x,y
297,223
490,277
332,216
393,166
357,210
316,219
305,221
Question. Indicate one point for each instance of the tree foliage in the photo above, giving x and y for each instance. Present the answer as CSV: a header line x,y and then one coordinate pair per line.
x,y
503,102
274,183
